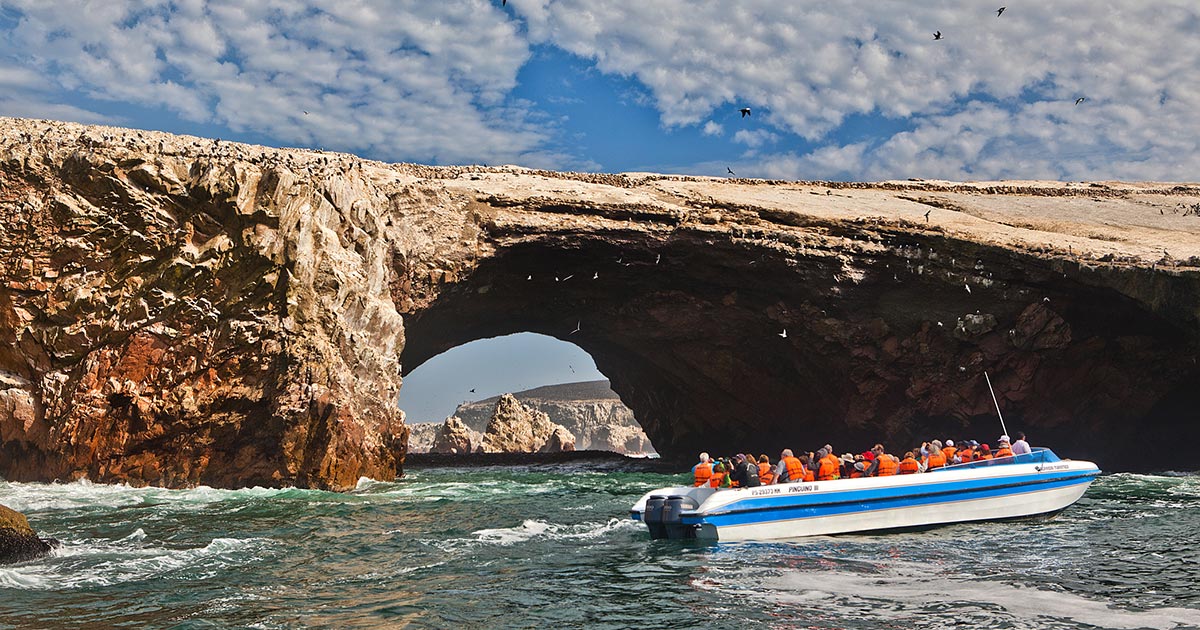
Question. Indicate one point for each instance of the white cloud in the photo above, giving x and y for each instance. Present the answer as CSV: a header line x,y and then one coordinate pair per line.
x,y
754,138
806,68
711,128
400,80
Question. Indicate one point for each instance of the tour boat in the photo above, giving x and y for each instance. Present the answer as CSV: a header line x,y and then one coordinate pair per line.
x,y
1025,485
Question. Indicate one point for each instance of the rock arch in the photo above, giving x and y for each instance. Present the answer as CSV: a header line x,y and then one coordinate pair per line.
x,y
252,310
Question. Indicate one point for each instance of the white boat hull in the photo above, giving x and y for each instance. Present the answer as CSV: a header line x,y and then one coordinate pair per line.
x,y
954,495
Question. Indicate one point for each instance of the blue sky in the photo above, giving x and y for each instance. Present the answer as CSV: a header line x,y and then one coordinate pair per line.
x,y
852,90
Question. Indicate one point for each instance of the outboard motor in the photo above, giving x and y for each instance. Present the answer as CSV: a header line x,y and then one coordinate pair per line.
x,y
672,521
653,516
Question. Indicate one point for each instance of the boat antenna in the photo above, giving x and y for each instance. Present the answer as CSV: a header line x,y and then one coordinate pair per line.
x,y
995,402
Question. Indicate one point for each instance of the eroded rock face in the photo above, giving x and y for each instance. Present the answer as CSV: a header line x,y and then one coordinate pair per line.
x,y
454,437
589,410
515,428
175,310
18,541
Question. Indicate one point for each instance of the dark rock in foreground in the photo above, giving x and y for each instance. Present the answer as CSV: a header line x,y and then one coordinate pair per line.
x,y
18,541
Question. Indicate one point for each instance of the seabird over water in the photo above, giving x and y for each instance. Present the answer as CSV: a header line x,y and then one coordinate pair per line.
x,y
1000,10
1080,100
937,34
745,111
784,333
731,171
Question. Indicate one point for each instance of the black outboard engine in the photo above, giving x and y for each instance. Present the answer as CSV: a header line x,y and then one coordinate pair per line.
x,y
653,516
672,521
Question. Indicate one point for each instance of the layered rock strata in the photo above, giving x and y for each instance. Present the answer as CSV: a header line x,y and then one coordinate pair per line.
x,y
18,541
176,310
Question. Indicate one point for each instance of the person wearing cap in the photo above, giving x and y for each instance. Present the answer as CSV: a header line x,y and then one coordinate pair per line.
x,y
1021,447
985,452
949,450
1002,448
702,471
745,472
828,465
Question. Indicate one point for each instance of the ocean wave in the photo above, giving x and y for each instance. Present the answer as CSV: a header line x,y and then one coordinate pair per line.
x,y
84,495
100,563
535,528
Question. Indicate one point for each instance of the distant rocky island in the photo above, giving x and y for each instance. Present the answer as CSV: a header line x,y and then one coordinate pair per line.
x,y
590,412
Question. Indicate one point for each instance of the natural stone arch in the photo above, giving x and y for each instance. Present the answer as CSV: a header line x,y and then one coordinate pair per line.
x,y
178,310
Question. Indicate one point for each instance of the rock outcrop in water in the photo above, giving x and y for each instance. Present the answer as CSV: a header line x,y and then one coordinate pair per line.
x,y
175,310
455,438
589,410
515,428
18,541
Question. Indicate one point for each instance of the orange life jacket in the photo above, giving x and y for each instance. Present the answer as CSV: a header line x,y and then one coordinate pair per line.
x,y
887,465
829,468
703,473
985,456
949,452
794,468
808,474
935,460
856,473
717,479
766,473
966,455
1003,452
908,466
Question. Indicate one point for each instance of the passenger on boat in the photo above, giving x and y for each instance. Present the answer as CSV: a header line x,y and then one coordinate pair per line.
x,y
790,468
936,457
702,471
985,452
1003,449
949,450
909,465
1021,447
883,464
828,465
807,467
719,479
766,475
745,472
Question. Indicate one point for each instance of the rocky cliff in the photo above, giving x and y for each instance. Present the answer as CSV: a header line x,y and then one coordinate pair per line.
x,y
590,410
516,428
176,310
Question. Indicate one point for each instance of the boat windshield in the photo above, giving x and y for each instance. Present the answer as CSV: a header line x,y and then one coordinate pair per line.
x,y
1039,455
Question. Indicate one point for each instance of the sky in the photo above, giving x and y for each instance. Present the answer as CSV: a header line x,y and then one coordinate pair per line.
x,y
849,90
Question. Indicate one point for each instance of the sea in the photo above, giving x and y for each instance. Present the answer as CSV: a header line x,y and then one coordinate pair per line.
x,y
552,546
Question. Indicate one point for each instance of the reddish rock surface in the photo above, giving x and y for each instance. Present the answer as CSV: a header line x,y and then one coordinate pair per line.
x,y
176,310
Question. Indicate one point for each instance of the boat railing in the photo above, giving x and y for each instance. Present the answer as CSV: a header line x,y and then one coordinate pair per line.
x,y
1038,455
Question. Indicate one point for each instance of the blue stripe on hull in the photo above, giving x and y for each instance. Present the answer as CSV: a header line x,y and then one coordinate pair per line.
x,y
832,504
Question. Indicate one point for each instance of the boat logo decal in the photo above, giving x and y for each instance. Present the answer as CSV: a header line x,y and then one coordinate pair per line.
x,y
808,487
1049,467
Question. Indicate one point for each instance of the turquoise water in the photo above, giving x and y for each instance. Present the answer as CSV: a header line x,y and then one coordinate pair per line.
x,y
552,546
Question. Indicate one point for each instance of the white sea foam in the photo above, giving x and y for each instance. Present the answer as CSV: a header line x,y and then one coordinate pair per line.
x,y
531,529
85,495
105,563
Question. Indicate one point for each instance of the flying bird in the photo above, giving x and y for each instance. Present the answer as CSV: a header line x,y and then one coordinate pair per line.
x,y
305,113
967,287
657,258
472,390
927,215
745,111
530,277
731,171
576,328
784,333
1080,100
1000,11
937,34
595,275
